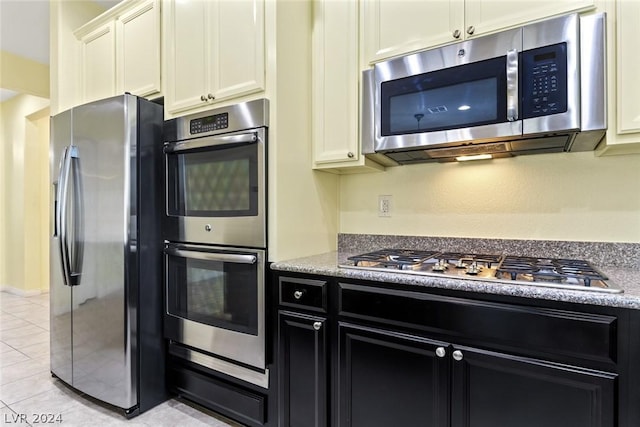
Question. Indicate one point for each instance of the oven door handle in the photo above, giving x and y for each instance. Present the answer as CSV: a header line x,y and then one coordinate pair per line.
x,y
209,256
212,141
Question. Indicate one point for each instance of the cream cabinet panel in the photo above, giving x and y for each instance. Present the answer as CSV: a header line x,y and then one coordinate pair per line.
x,y
628,88
395,27
186,54
213,51
98,63
484,16
138,49
238,62
335,80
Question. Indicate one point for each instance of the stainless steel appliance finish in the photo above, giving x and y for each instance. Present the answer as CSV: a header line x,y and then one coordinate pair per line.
x,y
106,251
545,82
216,304
215,176
533,271
216,239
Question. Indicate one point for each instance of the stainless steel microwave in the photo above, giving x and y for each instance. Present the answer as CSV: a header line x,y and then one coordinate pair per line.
x,y
535,89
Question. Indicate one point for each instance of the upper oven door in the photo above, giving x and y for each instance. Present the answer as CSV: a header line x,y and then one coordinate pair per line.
x,y
463,92
216,189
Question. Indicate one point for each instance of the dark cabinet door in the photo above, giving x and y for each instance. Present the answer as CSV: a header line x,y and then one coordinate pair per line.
x,y
391,379
491,389
302,370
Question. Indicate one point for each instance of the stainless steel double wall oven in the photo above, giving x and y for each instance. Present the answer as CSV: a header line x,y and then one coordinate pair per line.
x,y
216,239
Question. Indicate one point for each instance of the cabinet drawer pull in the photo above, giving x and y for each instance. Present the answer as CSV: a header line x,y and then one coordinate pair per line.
x,y
441,352
317,325
457,355
298,294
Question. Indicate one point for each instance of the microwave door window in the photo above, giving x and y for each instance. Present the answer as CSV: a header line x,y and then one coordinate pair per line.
x,y
469,95
443,108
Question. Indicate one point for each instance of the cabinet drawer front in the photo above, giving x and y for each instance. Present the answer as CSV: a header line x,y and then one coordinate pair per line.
x,y
534,330
303,293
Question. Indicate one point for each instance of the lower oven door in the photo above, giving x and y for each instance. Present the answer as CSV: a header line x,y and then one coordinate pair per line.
x,y
215,301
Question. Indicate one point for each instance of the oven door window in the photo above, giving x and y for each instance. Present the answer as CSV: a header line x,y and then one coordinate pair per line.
x,y
216,293
213,182
459,97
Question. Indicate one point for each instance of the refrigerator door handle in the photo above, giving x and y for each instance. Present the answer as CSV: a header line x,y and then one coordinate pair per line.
x,y
69,257
61,214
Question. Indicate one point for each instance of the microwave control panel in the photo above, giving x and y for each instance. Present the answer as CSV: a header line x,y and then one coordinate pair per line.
x,y
209,123
544,81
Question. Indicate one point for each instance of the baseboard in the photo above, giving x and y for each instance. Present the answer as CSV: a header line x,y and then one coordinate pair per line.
x,y
21,292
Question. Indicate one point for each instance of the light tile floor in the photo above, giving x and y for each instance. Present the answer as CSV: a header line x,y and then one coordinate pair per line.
x,y
27,389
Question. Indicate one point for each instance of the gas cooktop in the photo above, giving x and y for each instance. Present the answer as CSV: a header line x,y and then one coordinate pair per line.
x,y
549,272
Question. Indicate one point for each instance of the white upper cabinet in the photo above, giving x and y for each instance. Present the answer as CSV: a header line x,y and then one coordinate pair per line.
x,y
623,45
335,88
98,68
213,51
397,27
138,49
120,51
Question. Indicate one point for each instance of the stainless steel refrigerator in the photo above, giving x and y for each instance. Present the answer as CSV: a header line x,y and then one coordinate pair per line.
x,y
105,253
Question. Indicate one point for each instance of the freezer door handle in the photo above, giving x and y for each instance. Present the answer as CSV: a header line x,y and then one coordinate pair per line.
x,y
70,256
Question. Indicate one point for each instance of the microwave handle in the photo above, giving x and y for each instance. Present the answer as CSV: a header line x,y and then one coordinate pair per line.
x,y
212,141
208,256
512,85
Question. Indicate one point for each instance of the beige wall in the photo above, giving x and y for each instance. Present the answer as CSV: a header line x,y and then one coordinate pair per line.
x,y
566,196
24,135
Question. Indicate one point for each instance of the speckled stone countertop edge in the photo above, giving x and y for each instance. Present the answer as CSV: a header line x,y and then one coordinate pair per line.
x,y
626,255
327,265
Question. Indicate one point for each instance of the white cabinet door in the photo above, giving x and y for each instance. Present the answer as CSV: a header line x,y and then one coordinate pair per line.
x,y
396,27
483,16
237,47
628,88
213,51
187,53
98,63
335,88
138,49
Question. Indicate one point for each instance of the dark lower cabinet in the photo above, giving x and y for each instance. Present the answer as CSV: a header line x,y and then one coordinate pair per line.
x,y
302,370
391,379
491,389
379,356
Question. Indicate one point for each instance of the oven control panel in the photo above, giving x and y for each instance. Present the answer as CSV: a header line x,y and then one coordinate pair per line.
x,y
209,123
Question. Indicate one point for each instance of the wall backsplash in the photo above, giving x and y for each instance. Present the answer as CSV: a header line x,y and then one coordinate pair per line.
x,y
567,197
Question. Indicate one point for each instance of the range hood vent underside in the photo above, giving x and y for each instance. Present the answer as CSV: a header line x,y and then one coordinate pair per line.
x,y
547,144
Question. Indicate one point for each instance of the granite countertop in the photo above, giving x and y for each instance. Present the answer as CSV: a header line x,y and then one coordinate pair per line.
x,y
626,278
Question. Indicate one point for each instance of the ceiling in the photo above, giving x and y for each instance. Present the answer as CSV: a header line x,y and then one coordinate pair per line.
x,y
24,30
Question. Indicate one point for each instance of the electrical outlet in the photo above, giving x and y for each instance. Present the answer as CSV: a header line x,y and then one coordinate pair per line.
x,y
384,205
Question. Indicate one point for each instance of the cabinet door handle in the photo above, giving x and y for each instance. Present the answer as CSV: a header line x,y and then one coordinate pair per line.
x,y
203,98
456,34
298,294
317,325
471,29
441,352
457,355
350,155
210,96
